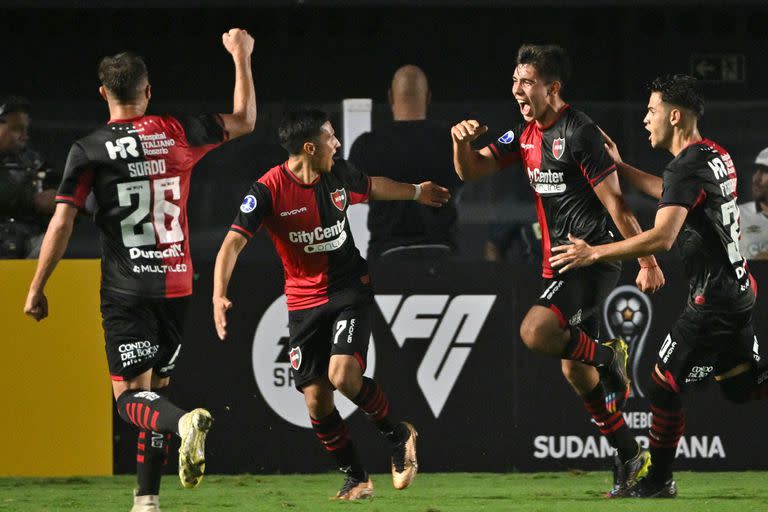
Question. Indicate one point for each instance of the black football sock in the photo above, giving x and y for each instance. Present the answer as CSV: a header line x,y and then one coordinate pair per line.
x,y
333,432
374,403
585,349
149,410
611,425
667,426
150,458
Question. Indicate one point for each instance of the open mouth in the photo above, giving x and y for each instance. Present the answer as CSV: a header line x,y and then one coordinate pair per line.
x,y
525,108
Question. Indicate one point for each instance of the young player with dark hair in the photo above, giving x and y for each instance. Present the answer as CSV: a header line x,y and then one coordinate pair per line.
x,y
139,168
697,207
303,203
576,189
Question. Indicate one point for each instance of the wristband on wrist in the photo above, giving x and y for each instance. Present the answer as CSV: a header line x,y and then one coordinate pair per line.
x,y
416,192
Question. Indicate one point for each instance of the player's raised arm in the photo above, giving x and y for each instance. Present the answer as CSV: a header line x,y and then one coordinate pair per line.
x,y
643,181
242,120
471,164
222,273
54,244
427,193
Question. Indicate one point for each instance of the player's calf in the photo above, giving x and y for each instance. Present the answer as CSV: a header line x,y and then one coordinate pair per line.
x,y
402,436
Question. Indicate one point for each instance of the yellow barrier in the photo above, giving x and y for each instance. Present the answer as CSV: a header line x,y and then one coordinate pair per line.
x,y
56,400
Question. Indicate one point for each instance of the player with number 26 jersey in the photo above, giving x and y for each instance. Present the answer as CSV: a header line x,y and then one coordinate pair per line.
x,y
139,171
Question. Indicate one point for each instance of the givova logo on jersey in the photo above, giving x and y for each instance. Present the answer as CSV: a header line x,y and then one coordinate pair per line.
x,y
449,325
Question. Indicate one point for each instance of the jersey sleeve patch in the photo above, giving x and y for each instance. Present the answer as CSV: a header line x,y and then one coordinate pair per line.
x,y
256,205
506,148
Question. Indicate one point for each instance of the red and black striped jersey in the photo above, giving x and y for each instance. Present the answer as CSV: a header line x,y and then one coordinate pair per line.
x,y
564,161
702,178
139,171
308,225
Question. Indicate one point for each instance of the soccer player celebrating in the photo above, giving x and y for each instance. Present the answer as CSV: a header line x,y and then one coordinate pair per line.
x,y
576,189
139,167
697,206
303,203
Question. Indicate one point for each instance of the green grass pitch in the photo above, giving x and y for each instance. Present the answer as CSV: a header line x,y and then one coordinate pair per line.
x,y
431,492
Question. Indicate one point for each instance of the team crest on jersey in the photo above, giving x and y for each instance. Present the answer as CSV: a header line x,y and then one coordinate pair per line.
x,y
339,198
295,355
558,147
507,138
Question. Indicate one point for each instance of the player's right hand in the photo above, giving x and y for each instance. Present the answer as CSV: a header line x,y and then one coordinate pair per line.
x,y
238,42
220,307
36,305
611,147
467,131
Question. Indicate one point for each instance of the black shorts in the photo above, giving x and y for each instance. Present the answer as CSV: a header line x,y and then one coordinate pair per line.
x,y
577,296
340,326
704,343
141,334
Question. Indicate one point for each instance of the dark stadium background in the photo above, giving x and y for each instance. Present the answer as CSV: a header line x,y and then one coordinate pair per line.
x,y
317,53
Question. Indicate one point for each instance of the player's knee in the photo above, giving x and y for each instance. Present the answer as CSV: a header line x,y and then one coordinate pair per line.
x,y
346,375
738,389
533,333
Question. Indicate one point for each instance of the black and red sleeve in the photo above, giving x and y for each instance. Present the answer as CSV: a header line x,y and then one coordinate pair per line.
x,y
588,149
203,130
256,205
78,178
356,181
682,184
506,148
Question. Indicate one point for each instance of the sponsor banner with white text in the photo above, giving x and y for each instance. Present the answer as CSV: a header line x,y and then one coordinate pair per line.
x,y
446,349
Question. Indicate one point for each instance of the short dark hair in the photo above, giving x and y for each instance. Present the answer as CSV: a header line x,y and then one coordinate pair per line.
x,y
300,126
551,61
679,90
123,74
11,104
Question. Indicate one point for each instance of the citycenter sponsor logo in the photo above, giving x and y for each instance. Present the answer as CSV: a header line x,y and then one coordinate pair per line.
x,y
317,240
174,251
546,182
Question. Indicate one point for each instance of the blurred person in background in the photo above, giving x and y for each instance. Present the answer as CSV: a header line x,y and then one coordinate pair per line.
x,y
410,149
754,214
27,184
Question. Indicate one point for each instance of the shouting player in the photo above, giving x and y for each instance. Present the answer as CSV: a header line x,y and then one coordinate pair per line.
x,y
303,205
697,206
139,167
576,189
